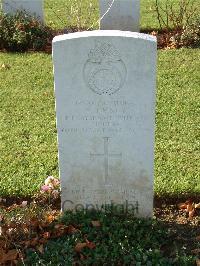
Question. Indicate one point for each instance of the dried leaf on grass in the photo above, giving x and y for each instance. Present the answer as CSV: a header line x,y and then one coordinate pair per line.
x,y
32,232
40,249
46,235
197,206
96,223
50,218
198,262
71,229
198,238
2,243
13,207
1,218
34,222
189,207
61,229
11,255
79,246
30,243
196,251
182,206
191,213
91,245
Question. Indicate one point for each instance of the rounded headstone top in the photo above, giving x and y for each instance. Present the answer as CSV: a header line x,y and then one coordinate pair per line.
x,y
106,33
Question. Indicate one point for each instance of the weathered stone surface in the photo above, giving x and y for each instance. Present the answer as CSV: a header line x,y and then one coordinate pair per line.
x,y
123,15
33,7
105,104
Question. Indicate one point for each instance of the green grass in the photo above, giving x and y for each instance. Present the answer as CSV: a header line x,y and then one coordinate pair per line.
x,y
28,134
177,134
58,13
28,141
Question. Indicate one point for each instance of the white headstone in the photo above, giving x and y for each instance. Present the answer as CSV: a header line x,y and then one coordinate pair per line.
x,y
33,7
105,103
120,15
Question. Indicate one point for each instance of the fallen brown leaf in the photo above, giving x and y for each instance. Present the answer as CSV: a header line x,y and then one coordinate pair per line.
x,y
60,230
191,213
96,223
198,262
79,246
34,222
44,224
1,254
2,244
196,251
71,229
50,218
34,241
60,227
198,238
11,255
46,235
82,257
40,249
197,206
30,243
91,245
1,218
43,241
13,207
190,207
182,206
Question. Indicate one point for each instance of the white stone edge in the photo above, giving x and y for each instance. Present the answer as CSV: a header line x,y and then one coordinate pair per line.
x,y
104,33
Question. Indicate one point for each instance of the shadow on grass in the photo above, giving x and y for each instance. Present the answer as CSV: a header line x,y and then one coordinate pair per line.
x,y
158,200
175,199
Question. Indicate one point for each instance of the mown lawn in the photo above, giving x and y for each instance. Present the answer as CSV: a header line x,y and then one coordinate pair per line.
x,y
60,14
28,133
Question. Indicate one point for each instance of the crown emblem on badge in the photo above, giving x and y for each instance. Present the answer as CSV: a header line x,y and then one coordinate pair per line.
x,y
104,71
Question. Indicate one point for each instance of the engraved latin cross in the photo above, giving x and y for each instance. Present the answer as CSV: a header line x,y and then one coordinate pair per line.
x,y
106,156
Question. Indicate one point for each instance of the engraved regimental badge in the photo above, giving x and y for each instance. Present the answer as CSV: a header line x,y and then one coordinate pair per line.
x,y
104,72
